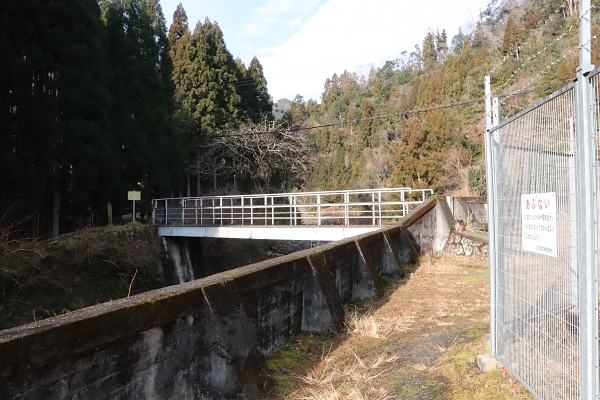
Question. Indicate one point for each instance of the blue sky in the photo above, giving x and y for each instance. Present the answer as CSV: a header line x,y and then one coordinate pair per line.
x,y
300,43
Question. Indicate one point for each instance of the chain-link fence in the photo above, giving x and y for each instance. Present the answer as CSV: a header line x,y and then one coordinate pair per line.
x,y
543,242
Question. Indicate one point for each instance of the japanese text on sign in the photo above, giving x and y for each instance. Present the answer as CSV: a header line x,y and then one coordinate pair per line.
x,y
538,223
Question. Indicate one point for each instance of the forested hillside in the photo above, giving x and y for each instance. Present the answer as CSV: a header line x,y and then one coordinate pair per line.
x,y
418,120
102,97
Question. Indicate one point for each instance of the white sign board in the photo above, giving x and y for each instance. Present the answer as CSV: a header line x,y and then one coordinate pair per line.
x,y
134,195
538,223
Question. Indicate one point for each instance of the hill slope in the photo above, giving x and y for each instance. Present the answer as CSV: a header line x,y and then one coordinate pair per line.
x,y
418,120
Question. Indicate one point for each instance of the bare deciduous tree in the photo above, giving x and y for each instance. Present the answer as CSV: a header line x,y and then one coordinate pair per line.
x,y
267,153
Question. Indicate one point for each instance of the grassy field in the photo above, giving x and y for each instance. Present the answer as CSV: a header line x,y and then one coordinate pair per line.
x,y
420,341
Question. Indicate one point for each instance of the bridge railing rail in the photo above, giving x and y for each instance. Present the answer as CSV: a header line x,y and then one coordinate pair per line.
x,y
375,207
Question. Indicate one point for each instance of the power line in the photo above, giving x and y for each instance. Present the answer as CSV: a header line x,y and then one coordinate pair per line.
x,y
399,114
521,67
532,34
354,121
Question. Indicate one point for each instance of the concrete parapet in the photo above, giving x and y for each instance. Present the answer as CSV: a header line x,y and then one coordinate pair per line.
x,y
209,338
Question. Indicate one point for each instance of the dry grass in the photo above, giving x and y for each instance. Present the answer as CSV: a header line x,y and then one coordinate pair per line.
x,y
418,342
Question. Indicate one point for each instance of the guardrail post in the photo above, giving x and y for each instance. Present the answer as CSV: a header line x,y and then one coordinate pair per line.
x,y
153,212
318,209
295,210
373,207
201,212
379,201
266,204
346,209
166,212
221,210
290,209
182,211
272,210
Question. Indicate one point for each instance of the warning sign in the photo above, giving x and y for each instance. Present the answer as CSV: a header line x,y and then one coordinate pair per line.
x,y
538,223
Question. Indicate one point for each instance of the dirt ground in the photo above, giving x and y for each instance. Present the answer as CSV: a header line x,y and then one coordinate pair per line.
x,y
420,341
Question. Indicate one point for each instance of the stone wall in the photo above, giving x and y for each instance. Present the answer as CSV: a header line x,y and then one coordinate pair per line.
x,y
470,244
209,338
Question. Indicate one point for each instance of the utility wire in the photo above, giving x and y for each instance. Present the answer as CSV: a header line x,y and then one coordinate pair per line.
x,y
521,67
392,115
354,121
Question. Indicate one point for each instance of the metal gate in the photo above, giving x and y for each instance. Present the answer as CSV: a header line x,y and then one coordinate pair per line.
x,y
541,171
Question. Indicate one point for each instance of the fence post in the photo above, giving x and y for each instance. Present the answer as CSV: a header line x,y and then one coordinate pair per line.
x,y
573,211
586,229
491,196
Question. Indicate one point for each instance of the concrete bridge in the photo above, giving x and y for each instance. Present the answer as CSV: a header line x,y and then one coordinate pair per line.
x,y
324,216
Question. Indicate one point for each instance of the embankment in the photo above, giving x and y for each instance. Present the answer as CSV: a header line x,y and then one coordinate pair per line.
x,y
209,338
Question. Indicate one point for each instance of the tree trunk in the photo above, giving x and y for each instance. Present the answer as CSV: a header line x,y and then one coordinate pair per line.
x,y
189,184
56,210
198,187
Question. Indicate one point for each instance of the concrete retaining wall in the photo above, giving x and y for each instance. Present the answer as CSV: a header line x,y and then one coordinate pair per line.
x,y
468,209
209,338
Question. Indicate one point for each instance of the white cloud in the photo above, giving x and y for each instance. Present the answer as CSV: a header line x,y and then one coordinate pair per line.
x,y
295,23
283,7
275,12
257,29
356,32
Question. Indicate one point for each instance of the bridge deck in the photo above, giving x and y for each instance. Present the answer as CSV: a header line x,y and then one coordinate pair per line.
x,y
331,215
316,233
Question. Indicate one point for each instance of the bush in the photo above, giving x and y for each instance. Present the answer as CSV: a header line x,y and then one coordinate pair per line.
x,y
477,181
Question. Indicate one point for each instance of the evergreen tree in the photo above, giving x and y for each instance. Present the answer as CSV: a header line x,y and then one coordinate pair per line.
x,y
149,154
458,42
211,98
512,38
252,89
179,42
297,113
331,90
441,45
367,125
55,153
430,55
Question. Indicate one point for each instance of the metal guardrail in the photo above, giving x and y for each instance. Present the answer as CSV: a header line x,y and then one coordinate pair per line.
x,y
374,207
